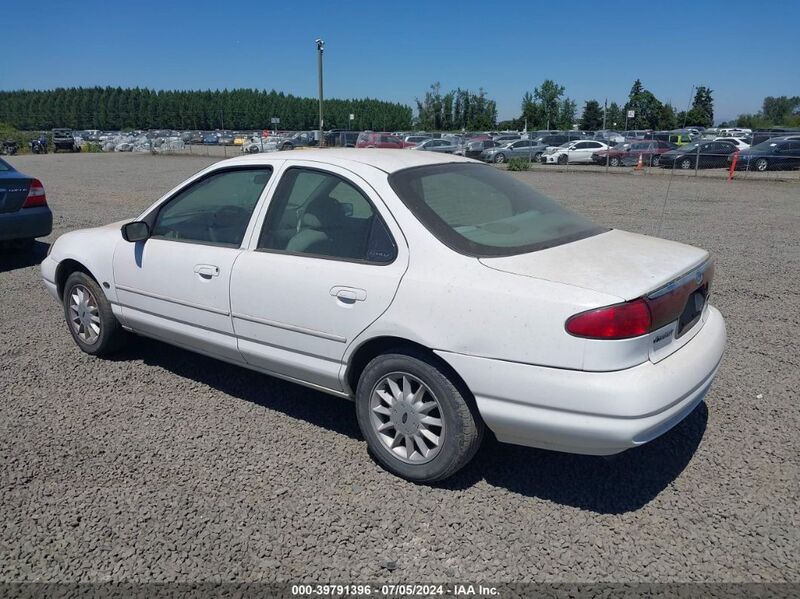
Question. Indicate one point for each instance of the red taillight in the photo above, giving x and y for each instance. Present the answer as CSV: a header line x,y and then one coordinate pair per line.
x,y
36,196
620,321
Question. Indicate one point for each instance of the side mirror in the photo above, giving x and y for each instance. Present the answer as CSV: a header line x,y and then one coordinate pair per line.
x,y
136,231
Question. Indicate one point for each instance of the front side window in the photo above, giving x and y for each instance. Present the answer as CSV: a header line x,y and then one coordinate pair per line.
x,y
317,213
214,210
479,211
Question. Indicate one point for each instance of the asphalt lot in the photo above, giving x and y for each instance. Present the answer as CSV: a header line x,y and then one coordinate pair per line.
x,y
162,465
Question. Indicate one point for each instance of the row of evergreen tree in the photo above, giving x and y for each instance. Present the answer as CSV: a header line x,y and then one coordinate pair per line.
x,y
138,108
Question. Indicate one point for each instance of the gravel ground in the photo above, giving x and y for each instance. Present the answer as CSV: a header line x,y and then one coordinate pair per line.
x,y
162,465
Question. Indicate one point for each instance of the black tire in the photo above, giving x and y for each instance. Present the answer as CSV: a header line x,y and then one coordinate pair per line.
x,y
655,160
460,436
537,157
111,336
686,164
287,147
500,158
761,165
562,160
615,161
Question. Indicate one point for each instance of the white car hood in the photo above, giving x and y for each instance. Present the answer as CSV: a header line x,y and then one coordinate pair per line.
x,y
618,263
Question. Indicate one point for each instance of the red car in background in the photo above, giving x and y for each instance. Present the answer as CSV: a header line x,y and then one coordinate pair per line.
x,y
627,153
379,140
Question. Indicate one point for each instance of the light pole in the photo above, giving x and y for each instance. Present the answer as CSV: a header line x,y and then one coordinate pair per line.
x,y
320,50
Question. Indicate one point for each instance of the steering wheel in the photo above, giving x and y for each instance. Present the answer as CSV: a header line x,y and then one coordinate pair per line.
x,y
224,217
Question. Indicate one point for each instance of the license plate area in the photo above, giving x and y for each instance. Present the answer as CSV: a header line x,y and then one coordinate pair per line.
x,y
692,311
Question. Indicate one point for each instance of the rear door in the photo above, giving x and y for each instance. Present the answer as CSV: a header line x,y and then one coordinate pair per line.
x,y
324,265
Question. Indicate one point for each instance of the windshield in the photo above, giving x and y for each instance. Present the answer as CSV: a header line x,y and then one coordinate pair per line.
x,y
480,211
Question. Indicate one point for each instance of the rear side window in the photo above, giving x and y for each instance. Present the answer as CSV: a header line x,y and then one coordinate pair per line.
x,y
320,214
479,211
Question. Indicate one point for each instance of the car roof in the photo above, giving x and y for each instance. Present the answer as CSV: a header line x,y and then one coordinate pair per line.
x,y
388,161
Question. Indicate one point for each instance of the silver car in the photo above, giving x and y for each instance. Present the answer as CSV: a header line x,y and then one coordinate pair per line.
x,y
445,146
522,148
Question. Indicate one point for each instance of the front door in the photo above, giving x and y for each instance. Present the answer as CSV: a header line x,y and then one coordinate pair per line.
x,y
324,266
175,285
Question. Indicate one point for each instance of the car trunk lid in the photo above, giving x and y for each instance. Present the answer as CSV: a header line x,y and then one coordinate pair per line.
x,y
672,277
13,191
618,263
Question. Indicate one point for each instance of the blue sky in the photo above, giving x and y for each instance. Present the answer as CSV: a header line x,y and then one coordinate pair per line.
x,y
395,50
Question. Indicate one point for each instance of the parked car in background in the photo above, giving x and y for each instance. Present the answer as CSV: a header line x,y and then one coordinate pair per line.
x,y
608,136
24,213
301,139
676,139
473,148
409,141
709,154
441,295
627,154
436,145
64,139
773,154
573,152
504,137
225,139
342,139
379,140
761,135
739,143
211,139
522,148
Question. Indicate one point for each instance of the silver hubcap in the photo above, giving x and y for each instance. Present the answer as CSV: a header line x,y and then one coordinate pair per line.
x,y
84,314
407,418
761,165
686,164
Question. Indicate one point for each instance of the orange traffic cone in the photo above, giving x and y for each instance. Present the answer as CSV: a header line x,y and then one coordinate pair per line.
x,y
640,164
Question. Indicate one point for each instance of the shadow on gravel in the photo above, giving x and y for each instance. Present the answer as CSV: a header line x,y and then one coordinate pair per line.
x,y
12,258
623,483
320,409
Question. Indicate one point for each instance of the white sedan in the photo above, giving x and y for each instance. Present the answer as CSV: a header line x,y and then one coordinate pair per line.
x,y
438,293
578,151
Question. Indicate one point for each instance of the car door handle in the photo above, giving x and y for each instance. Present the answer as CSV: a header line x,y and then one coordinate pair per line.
x,y
206,271
348,295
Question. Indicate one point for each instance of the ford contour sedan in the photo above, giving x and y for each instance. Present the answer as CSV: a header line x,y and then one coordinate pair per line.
x,y
440,294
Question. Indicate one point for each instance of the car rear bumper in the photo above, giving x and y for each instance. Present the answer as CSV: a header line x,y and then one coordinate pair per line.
x,y
26,223
609,412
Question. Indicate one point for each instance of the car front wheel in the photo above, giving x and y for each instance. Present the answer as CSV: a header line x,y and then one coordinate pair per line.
x,y
762,165
686,164
88,313
656,160
500,158
417,421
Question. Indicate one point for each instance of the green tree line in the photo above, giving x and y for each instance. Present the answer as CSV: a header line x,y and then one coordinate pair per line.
x,y
780,111
547,107
140,108
456,109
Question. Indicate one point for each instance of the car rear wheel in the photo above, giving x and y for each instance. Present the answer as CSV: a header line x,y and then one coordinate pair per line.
x,y
416,420
91,322
537,157
686,164
761,165
499,158
655,160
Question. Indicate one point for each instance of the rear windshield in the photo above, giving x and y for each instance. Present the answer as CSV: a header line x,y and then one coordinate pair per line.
x,y
480,211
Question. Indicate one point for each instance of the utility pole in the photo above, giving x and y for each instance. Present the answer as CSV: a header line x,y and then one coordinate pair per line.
x,y
605,111
689,107
320,50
